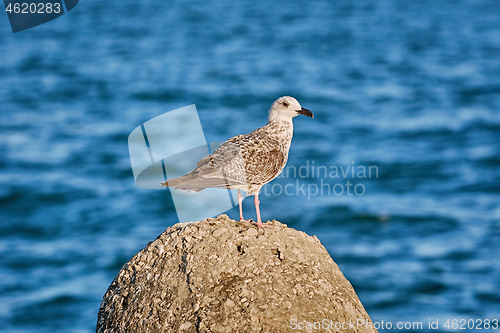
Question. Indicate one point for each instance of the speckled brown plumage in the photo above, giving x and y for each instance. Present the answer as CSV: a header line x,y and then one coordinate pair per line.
x,y
247,162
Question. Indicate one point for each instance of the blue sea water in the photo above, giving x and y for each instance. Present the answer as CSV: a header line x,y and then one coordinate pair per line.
x,y
409,87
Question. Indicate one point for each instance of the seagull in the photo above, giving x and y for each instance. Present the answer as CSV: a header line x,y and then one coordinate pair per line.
x,y
247,162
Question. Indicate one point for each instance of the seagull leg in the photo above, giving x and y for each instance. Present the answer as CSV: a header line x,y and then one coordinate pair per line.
x,y
259,221
240,201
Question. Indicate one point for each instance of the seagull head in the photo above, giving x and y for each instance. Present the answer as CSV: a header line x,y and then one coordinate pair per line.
x,y
286,107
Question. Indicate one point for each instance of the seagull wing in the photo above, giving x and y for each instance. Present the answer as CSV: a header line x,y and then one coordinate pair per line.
x,y
211,171
257,159
251,159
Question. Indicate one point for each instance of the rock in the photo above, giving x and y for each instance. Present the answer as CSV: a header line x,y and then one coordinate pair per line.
x,y
251,232
229,303
185,326
220,275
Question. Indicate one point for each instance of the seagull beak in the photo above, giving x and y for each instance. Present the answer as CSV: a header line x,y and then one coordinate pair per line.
x,y
305,112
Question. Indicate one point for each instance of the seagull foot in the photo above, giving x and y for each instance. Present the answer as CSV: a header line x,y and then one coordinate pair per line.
x,y
262,225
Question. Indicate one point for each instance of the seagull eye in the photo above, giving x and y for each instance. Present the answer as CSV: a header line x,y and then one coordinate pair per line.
x,y
285,104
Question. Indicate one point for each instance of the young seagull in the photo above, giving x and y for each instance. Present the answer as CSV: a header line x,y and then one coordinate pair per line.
x,y
247,162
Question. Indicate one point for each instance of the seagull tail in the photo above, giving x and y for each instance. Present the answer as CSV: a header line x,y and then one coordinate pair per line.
x,y
194,183
185,183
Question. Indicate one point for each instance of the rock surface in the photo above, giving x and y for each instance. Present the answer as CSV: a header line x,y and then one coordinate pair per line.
x,y
220,275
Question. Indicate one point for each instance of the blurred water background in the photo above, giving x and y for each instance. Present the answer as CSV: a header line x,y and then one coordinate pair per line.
x,y
412,87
